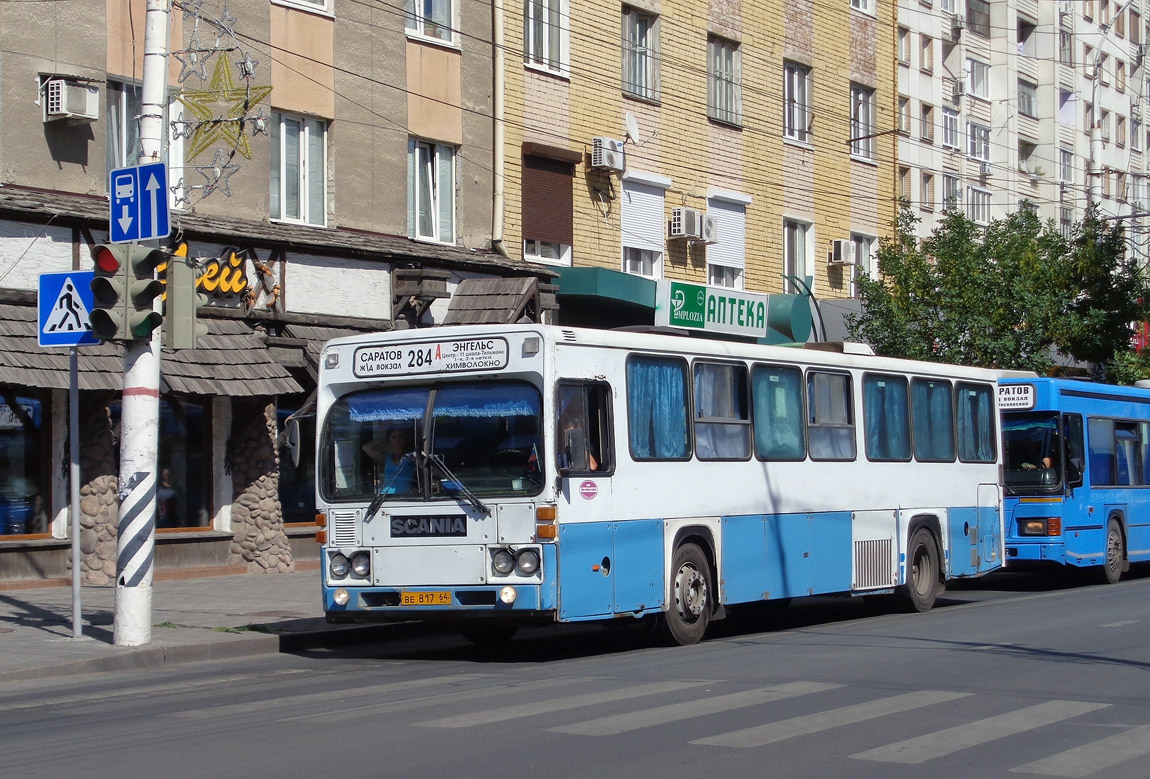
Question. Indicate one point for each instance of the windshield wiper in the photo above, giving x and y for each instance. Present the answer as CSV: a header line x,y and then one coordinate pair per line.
x,y
437,461
384,493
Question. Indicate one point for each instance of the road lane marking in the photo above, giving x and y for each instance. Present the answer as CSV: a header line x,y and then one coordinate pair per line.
x,y
675,712
1123,623
950,740
1092,758
825,720
529,709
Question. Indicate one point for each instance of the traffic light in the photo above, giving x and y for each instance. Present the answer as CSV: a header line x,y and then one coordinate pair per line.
x,y
109,284
181,328
124,289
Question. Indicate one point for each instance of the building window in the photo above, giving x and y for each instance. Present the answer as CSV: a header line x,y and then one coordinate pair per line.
x,y
1026,37
1028,159
951,193
862,121
978,78
926,59
727,256
1120,23
548,205
978,17
794,254
1120,131
796,102
864,246
124,107
1120,191
866,6
978,205
430,191
926,126
430,19
948,6
546,34
904,45
1135,135
978,142
950,137
1066,222
1066,47
1104,124
1087,117
298,178
926,193
1027,99
643,226
904,115
904,192
1135,27
1066,166
724,74
640,54
1066,110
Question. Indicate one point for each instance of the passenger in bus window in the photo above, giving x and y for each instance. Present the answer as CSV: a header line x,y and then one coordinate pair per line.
x,y
393,450
575,452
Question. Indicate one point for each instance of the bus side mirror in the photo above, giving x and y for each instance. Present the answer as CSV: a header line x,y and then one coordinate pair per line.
x,y
291,439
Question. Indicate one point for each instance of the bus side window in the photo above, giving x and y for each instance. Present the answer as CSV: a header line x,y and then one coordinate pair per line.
x,y
830,425
1075,449
584,434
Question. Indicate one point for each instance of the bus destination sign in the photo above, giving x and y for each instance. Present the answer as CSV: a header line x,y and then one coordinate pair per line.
x,y
467,354
1016,396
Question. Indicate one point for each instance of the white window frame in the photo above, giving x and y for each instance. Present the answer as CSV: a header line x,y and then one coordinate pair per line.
x,y
315,6
797,102
724,80
643,223
950,134
926,54
978,79
862,122
424,25
904,45
866,6
904,115
978,141
926,190
727,257
546,252
951,192
282,201
1135,135
640,53
926,122
433,159
1066,166
864,255
797,235
1027,98
547,35
978,205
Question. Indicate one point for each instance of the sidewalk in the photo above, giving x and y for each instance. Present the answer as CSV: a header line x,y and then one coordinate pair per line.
x,y
192,619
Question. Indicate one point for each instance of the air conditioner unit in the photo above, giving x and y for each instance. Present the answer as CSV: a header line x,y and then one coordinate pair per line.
x,y
685,223
708,230
984,170
842,253
606,153
65,99
959,89
1065,8
957,25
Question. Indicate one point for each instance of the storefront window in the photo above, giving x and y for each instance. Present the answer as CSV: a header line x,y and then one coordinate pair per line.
x,y
23,475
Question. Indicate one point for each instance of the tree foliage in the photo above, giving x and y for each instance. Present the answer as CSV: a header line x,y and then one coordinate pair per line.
x,y
1008,295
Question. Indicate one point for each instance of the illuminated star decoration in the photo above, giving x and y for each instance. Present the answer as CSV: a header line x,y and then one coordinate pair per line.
x,y
193,59
218,173
226,125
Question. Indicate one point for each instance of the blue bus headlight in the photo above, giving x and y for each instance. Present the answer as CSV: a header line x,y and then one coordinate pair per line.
x,y
527,562
361,564
339,566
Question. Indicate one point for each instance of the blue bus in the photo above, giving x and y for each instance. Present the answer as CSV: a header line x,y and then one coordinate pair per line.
x,y
1077,473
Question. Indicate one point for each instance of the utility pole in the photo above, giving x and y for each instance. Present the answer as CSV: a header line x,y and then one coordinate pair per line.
x,y
139,415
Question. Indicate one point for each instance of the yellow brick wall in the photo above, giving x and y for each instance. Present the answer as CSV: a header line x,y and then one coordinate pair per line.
x,y
820,184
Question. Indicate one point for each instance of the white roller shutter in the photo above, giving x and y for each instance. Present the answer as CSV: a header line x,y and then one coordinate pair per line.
x,y
643,217
731,225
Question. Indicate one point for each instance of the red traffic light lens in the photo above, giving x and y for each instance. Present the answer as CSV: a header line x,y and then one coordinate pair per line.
x,y
107,261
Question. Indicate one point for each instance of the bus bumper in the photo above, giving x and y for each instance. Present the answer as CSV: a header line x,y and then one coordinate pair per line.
x,y
389,604
1035,552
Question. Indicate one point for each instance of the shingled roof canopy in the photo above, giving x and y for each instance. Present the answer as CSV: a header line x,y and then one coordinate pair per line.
x,y
231,360
495,301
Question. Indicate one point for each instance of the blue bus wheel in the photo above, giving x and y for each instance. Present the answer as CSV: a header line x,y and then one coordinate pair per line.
x,y
689,612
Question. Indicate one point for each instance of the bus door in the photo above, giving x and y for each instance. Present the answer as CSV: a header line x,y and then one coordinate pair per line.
x,y
988,529
585,462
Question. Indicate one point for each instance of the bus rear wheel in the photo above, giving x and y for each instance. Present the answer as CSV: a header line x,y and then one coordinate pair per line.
x,y
922,576
1115,553
687,616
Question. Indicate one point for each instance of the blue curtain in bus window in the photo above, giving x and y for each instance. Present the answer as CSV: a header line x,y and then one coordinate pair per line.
x,y
830,427
885,418
975,424
1100,434
721,429
657,408
1126,460
499,400
387,405
777,397
933,420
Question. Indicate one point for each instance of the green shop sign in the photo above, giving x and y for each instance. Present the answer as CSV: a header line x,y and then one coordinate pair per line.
x,y
711,309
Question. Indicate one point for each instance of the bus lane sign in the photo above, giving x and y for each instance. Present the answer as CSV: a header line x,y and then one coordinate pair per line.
x,y
465,354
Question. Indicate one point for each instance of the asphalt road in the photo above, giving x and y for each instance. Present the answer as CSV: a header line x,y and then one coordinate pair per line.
x,y
1014,676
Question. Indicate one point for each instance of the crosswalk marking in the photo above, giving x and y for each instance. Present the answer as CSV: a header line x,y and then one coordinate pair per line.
x,y
327,697
945,742
661,715
824,720
529,709
1092,758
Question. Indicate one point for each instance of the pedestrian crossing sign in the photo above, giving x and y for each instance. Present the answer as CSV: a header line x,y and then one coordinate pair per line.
x,y
65,302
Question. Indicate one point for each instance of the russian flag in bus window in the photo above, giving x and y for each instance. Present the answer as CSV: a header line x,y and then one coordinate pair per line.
x,y
533,460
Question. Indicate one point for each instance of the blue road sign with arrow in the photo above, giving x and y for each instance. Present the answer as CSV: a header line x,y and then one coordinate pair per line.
x,y
64,303
139,203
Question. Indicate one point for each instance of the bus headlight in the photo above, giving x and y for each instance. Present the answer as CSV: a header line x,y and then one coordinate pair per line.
x,y
503,562
1040,526
361,564
527,562
339,566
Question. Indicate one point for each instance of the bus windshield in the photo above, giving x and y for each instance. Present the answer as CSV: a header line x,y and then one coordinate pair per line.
x,y
1032,451
433,442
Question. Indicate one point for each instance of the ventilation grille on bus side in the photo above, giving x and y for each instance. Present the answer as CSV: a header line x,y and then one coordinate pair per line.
x,y
873,567
342,526
569,335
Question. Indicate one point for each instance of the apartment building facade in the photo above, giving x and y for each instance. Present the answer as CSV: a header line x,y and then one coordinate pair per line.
x,y
331,171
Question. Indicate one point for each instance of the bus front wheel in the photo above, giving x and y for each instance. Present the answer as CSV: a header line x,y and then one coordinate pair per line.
x,y
1115,552
687,616
922,574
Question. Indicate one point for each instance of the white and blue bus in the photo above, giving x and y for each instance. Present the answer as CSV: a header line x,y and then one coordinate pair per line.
x,y
505,475
1077,478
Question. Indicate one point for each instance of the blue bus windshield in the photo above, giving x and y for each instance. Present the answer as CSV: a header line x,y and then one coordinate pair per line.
x,y
1032,452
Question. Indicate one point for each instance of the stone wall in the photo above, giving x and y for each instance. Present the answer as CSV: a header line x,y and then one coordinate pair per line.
x,y
259,541
99,506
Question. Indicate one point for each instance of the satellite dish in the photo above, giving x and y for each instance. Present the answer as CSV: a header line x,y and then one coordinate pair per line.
x,y
632,128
